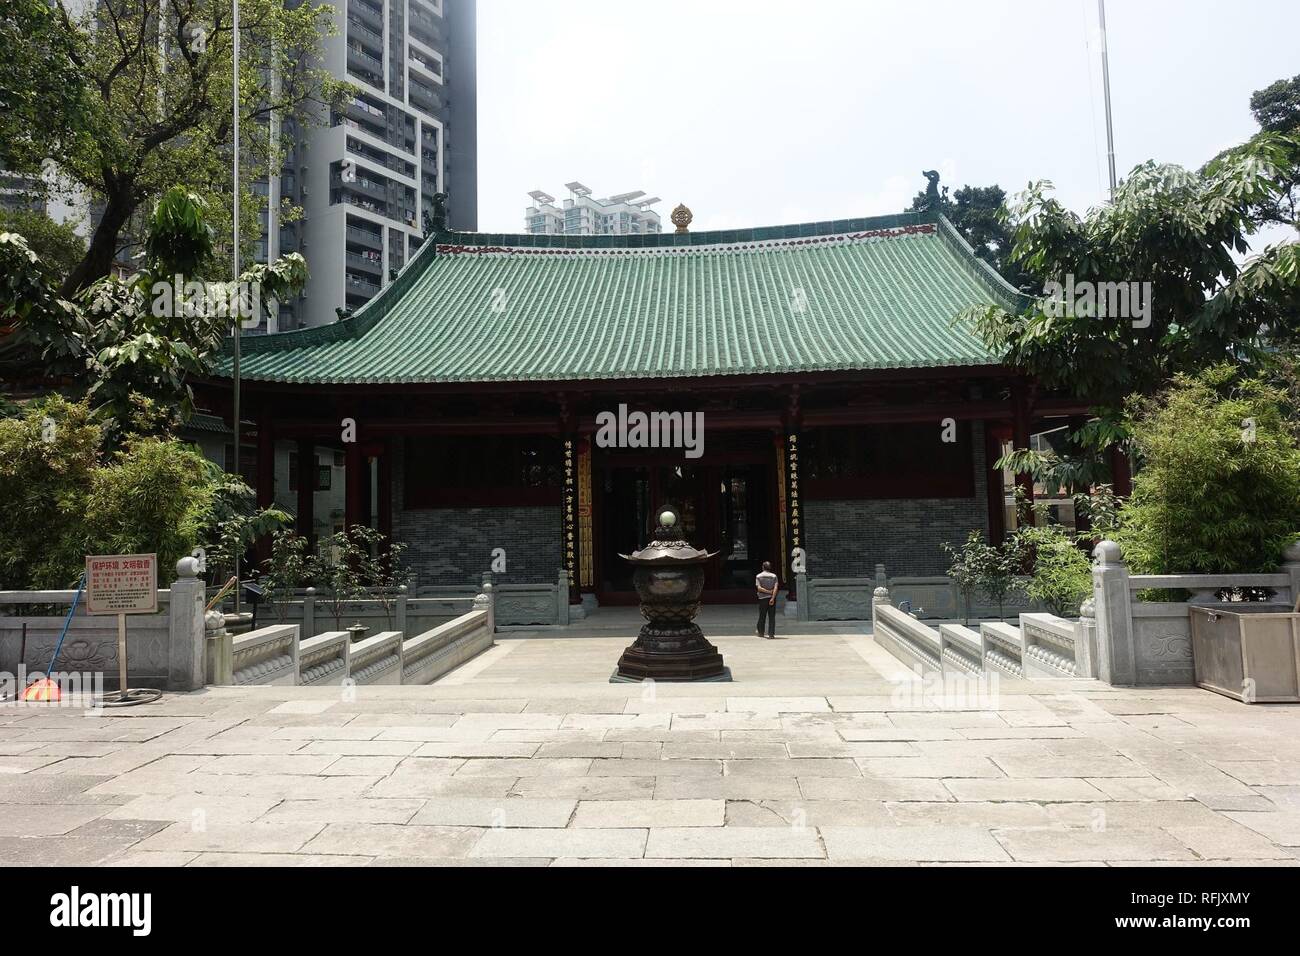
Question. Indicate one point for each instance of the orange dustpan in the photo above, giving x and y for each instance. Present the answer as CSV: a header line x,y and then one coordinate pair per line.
x,y
46,690
42,691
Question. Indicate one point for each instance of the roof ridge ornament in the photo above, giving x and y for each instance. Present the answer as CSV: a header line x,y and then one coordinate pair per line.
x,y
681,217
934,200
439,218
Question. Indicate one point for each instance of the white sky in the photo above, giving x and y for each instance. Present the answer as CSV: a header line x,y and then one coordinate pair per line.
x,y
757,113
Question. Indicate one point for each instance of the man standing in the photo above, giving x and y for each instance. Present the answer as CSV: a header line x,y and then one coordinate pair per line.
x,y
766,585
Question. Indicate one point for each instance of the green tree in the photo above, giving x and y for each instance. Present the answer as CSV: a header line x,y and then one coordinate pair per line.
x,y
152,86
1277,110
964,569
286,570
44,101
1061,576
139,336
58,245
48,456
1219,488
1177,230
977,212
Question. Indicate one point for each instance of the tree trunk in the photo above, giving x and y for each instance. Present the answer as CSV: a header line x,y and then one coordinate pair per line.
x,y
98,261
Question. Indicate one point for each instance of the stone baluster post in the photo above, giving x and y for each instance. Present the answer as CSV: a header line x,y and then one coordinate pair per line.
x,y
185,658
1291,567
309,614
878,597
486,600
218,649
562,598
403,591
1116,655
1085,640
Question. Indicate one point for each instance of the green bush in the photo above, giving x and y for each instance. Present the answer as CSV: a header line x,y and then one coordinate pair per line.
x,y
1062,575
47,460
63,497
1218,487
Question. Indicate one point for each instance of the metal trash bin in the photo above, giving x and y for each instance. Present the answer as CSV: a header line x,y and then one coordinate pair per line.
x,y
1250,653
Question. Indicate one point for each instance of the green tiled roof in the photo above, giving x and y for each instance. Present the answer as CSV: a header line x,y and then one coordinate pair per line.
x,y
473,307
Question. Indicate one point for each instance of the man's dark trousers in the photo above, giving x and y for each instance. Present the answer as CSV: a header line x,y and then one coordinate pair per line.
x,y
767,610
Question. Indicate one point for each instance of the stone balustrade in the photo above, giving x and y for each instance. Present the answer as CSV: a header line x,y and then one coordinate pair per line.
x,y
934,597
907,638
1144,643
378,659
325,658
268,655
1042,645
275,655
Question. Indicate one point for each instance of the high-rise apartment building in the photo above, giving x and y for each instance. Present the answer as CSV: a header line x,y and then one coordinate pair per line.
x,y
366,177
582,215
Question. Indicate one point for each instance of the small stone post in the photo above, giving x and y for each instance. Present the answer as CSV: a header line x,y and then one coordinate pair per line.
x,y
185,657
1116,657
309,614
878,597
803,597
1085,640
562,598
403,591
1291,567
486,600
219,646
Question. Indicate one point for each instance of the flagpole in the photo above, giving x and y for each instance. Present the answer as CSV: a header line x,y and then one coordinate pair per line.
x,y
1105,82
235,370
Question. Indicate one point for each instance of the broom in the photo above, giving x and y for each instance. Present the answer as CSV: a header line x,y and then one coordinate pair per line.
x,y
46,690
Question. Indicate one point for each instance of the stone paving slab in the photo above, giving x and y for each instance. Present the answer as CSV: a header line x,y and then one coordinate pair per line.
x,y
822,751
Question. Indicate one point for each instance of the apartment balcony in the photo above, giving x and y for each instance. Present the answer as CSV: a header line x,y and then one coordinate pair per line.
x,y
361,285
429,65
363,31
356,261
424,99
425,31
368,12
365,237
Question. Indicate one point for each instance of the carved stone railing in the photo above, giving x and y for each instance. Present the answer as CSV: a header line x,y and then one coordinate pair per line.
x,y
324,659
1002,648
166,650
960,649
377,660
933,597
1052,647
1144,643
907,638
268,655
274,655
428,656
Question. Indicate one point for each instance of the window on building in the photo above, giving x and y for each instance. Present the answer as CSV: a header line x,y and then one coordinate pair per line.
x,y
887,461
483,470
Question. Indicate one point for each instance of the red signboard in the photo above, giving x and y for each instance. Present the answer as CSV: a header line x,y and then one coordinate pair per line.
x,y
122,584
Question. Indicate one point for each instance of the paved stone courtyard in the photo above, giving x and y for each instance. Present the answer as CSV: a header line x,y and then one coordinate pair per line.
x,y
824,750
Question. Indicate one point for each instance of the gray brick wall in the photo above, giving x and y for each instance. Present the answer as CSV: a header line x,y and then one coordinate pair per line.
x,y
848,538
448,546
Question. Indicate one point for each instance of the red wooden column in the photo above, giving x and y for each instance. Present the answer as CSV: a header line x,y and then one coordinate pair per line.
x,y
1020,425
1120,473
353,462
265,479
793,422
994,434
306,524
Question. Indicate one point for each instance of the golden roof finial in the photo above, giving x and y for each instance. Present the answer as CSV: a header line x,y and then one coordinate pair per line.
x,y
681,217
